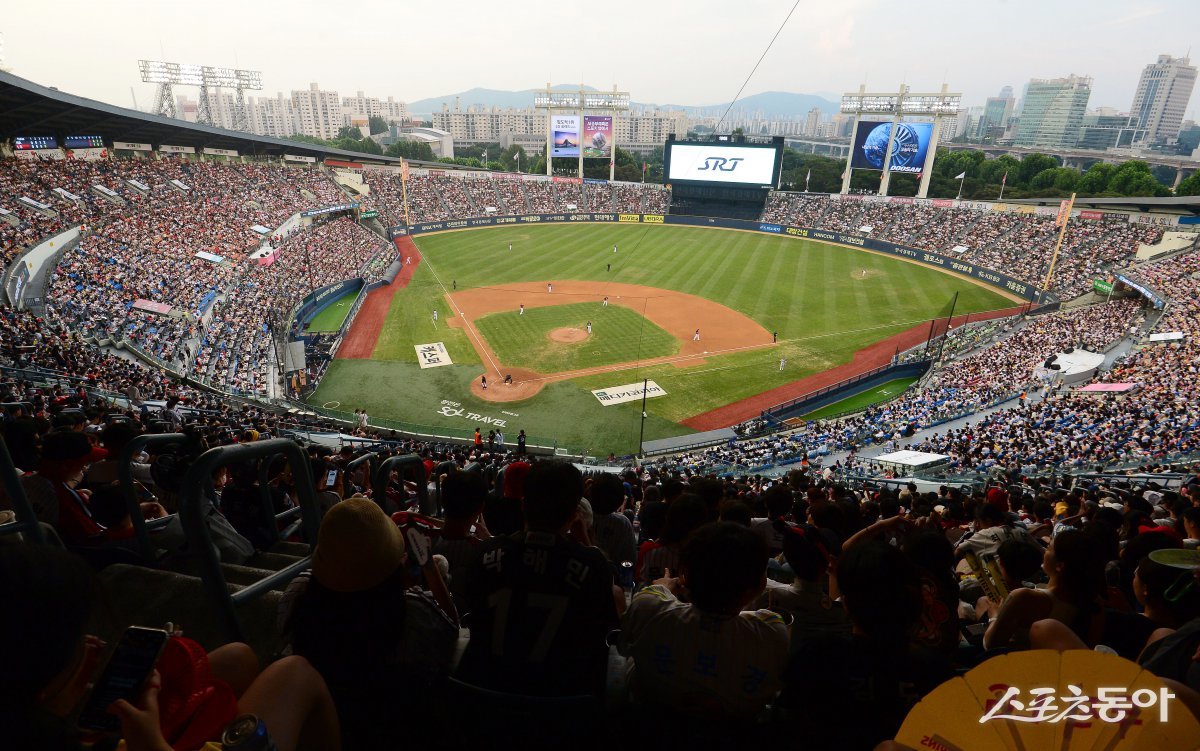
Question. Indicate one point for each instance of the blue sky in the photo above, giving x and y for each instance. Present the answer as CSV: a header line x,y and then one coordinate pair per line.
x,y
695,52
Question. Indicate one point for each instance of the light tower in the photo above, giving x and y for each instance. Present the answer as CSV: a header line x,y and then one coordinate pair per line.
x,y
581,102
898,106
205,77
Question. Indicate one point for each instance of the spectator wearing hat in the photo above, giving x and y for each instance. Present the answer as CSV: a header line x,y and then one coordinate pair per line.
x,y
540,602
55,494
376,635
805,603
504,515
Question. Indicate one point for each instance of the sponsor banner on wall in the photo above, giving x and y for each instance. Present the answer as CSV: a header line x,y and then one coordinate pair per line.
x,y
597,136
1091,215
87,155
299,158
630,392
432,355
131,146
564,134
220,152
166,148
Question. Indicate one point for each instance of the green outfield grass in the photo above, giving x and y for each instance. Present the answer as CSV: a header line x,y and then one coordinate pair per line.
x,y
522,340
825,302
332,317
882,393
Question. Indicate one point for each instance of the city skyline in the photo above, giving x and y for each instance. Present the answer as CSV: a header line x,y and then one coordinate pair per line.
x,y
822,50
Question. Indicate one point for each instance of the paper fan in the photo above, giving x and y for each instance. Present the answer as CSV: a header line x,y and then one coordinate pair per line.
x,y
1045,700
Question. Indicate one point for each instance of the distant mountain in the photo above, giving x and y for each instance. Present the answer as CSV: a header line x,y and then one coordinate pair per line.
x,y
482,98
772,104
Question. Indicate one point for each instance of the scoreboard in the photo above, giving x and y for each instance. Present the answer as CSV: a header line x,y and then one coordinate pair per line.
x,y
34,143
83,142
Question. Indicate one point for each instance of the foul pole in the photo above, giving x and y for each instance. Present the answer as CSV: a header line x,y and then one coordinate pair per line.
x,y
1064,216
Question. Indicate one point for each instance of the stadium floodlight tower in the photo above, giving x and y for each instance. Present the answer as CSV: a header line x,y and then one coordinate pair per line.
x,y
581,102
899,106
205,77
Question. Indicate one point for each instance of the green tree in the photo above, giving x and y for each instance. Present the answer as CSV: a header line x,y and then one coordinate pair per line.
x,y
1031,165
1190,186
1134,178
411,150
377,124
509,158
348,133
1095,180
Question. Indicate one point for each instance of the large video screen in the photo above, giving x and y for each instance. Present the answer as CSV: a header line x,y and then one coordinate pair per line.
x,y
723,163
908,149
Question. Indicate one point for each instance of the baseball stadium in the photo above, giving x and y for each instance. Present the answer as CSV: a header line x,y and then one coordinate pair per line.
x,y
446,453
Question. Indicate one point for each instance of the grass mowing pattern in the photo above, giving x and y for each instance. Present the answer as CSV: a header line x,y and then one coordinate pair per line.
x,y
332,317
825,301
618,335
882,393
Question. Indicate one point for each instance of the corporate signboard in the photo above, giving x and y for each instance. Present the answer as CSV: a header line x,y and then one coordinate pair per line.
x,y
721,163
597,136
630,392
565,134
909,148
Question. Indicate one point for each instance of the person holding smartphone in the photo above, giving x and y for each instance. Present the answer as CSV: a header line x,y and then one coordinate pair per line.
x,y
50,663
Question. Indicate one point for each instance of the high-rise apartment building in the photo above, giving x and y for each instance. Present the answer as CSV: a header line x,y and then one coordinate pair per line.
x,y
317,113
1053,111
1162,97
271,116
996,111
389,109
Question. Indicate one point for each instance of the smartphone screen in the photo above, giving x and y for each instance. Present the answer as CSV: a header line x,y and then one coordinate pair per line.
x,y
123,676
331,478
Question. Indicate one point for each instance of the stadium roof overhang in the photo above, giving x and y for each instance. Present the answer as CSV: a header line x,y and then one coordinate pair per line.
x,y
1188,205
30,109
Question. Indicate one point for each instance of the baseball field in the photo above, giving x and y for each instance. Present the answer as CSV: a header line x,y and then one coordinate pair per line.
x,y
725,323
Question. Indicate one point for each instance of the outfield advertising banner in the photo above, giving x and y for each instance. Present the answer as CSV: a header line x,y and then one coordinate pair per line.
x,y
714,163
909,148
564,130
630,392
597,136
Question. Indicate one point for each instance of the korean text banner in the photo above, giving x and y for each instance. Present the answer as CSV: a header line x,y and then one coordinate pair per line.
x,y
722,164
597,136
565,133
908,149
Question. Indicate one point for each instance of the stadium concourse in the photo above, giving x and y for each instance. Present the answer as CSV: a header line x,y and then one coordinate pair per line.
x,y
550,601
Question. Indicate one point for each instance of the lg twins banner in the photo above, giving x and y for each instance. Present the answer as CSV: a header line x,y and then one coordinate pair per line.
x,y
597,136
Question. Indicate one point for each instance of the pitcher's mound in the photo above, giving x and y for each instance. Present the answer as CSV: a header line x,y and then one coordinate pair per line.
x,y
568,335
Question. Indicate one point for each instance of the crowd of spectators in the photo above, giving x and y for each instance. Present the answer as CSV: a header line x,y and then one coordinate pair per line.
x,y
235,351
737,608
443,197
1018,244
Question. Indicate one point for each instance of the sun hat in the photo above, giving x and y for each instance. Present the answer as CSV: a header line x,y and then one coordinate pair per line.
x,y
358,547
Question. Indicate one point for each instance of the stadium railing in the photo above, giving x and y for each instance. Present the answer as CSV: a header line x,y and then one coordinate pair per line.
x,y
198,489
26,521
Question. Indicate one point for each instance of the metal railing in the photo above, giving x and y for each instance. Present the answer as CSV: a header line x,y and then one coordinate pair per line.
x,y
198,490
27,521
410,464
141,527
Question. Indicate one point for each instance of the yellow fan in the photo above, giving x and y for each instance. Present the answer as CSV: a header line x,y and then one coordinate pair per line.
x,y
1045,700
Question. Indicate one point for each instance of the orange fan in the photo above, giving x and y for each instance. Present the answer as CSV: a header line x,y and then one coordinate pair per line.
x,y
1045,700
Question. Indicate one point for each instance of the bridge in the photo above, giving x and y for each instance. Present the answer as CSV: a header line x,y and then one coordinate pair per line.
x,y
1081,158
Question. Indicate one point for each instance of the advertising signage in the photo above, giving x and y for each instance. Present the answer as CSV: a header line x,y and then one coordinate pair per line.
x,y
909,148
750,166
565,135
597,136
